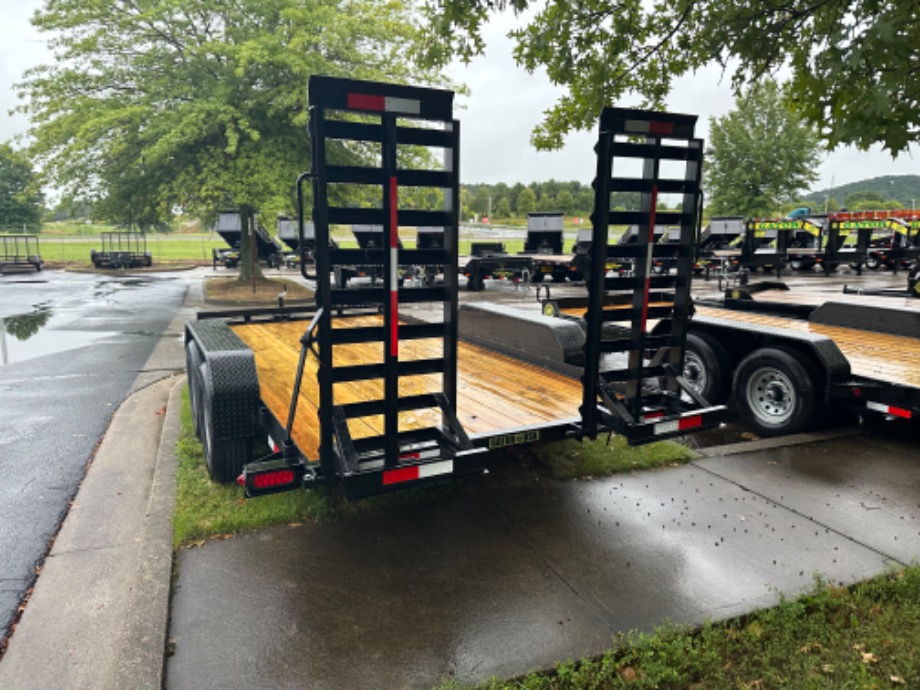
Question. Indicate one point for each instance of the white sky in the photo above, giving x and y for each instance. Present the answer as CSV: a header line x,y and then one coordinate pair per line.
x,y
498,116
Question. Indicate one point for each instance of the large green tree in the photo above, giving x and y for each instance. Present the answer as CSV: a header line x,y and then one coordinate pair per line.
x,y
759,155
153,105
853,64
20,197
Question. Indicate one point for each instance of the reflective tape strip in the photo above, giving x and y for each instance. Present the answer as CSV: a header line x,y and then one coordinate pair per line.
x,y
888,409
681,424
646,288
394,267
421,454
408,474
271,444
388,104
647,127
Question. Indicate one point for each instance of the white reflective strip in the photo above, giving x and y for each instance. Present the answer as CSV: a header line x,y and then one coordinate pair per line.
x,y
394,268
666,427
435,468
403,105
637,126
271,444
878,407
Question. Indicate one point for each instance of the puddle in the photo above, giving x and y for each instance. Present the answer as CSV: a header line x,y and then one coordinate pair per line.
x,y
35,334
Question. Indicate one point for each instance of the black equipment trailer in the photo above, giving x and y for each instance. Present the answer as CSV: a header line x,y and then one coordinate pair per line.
x,y
122,250
544,245
356,392
19,252
718,244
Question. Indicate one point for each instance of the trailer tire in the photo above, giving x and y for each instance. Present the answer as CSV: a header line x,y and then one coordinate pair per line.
x,y
193,361
224,457
775,392
707,368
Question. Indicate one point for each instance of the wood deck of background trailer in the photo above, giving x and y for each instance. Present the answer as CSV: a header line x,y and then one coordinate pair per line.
x,y
888,358
495,392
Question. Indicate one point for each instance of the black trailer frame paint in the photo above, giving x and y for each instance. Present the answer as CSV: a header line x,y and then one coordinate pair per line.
x,y
489,260
122,249
382,463
20,251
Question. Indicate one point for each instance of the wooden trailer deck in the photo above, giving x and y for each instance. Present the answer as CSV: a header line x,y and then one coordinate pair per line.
x,y
888,358
495,393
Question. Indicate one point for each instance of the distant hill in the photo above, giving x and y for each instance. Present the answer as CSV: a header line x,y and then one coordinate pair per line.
x,y
903,188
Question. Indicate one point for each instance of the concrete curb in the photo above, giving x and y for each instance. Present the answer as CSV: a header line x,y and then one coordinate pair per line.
x,y
98,614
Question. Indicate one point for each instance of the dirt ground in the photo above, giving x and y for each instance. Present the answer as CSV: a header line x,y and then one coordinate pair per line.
x,y
234,291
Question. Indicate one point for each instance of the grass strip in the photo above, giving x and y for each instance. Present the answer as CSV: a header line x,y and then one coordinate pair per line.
x,y
863,636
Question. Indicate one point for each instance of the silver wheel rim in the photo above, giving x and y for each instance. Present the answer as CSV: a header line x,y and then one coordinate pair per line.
x,y
771,396
695,372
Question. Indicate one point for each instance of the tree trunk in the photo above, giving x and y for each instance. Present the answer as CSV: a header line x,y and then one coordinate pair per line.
x,y
249,256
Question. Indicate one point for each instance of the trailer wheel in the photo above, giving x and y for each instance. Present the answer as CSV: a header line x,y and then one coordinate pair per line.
x,y
224,458
872,262
707,368
775,392
193,360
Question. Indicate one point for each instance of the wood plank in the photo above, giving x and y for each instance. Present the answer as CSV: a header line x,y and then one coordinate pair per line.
x,y
495,391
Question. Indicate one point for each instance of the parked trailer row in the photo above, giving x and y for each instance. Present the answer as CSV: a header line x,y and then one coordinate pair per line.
x,y
358,393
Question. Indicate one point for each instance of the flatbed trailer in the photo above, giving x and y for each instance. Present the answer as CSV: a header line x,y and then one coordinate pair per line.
x,y
491,261
19,252
544,245
355,392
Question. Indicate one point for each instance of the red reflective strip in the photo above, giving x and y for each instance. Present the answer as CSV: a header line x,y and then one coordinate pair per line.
x,y
690,422
394,270
660,127
410,456
362,101
403,474
898,412
652,415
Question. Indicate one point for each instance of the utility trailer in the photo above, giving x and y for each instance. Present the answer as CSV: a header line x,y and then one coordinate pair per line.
x,y
790,358
370,240
122,250
19,252
360,394
544,244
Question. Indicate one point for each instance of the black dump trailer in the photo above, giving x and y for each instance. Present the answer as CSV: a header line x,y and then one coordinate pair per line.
x,y
719,245
18,252
302,249
544,244
804,248
229,226
122,250
491,261
429,237
357,392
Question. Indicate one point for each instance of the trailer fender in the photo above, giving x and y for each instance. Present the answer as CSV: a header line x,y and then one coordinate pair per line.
x,y
230,374
825,360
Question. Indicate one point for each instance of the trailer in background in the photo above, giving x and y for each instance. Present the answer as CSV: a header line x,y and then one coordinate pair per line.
x,y
490,261
544,244
122,250
717,247
18,252
229,226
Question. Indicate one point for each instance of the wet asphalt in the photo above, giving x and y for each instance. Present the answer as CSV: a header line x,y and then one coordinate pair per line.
x,y
71,348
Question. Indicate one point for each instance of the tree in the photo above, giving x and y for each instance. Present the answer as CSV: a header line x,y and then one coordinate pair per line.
x,y
852,63
503,208
199,105
759,155
526,202
20,198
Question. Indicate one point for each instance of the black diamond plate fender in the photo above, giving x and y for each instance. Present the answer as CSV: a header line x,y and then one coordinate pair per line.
x,y
232,377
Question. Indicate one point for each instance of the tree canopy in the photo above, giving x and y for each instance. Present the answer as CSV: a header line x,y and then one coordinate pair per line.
x,y
852,63
758,156
197,104
20,197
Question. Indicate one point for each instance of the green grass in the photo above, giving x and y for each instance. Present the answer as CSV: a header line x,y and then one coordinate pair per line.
x,y
205,509
864,636
163,248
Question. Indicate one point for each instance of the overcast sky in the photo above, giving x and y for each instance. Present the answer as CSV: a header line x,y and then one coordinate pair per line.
x,y
504,104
